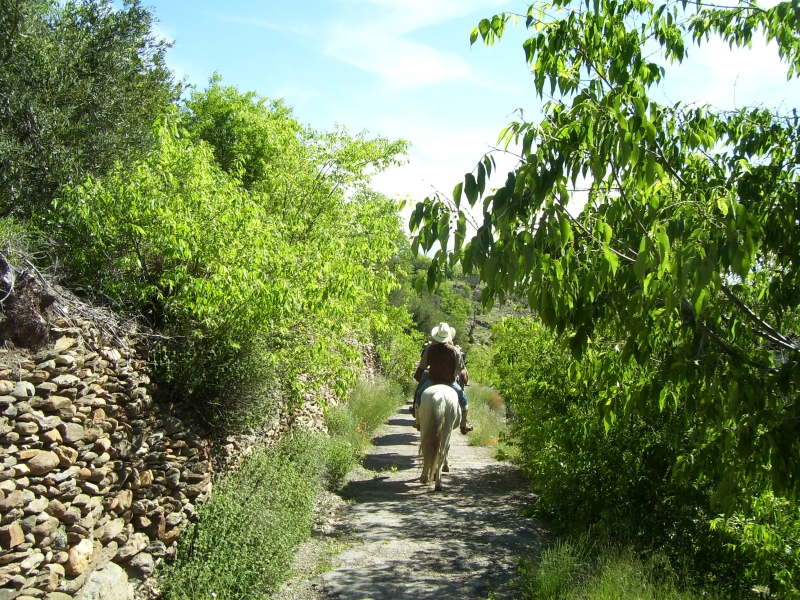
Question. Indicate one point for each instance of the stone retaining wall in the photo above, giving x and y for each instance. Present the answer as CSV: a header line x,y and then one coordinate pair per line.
x,y
96,480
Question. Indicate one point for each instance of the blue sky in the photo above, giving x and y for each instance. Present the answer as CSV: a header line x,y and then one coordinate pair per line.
x,y
405,69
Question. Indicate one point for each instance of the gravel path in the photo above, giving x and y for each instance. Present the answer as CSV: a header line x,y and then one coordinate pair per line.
x,y
409,542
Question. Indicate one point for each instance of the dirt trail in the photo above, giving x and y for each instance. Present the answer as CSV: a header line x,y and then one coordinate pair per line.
x,y
410,542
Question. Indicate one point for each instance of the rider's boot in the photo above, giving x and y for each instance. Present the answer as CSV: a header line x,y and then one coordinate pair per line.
x,y
416,420
465,427
412,410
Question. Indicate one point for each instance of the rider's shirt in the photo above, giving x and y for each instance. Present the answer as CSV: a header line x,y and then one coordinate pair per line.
x,y
443,362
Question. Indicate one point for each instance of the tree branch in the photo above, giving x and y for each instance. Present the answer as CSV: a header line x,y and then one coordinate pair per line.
x,y
767,331
724,346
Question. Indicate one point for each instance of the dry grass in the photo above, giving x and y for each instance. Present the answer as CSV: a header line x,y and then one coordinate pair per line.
x,y
487,413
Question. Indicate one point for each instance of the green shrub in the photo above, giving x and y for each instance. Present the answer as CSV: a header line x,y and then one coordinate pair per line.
x,y
236,386
479,362
768,537
371,404
613,479
243,542
340,458
251,242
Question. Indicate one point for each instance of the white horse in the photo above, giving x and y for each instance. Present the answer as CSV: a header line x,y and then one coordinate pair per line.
x,y
438,416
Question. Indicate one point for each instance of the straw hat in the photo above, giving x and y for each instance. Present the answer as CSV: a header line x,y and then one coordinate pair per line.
x,y
443,333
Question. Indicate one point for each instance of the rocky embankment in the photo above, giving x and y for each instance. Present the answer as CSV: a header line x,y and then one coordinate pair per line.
x,y
96,480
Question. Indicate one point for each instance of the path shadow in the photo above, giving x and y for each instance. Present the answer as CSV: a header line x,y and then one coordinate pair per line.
x,y
416,543
382,462
478,512
396,439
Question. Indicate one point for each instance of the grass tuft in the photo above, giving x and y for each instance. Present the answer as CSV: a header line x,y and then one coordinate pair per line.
x,y
353,424
558,571
487,413
571,570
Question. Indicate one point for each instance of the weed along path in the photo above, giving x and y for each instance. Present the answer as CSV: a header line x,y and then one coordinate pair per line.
x,y
410,542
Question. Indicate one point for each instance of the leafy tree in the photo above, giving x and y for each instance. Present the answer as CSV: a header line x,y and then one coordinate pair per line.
x,y
82,83
251,294
301,174
685,257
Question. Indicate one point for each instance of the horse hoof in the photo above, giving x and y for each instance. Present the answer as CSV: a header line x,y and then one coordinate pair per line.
x,y
438,487
423,480
445,469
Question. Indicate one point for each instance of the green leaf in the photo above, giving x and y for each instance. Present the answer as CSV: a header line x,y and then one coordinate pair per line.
x,y
433,275
612,258
471,188
642,260
456,195
490,268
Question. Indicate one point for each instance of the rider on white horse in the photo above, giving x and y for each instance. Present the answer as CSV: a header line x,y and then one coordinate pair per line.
x,y
444,363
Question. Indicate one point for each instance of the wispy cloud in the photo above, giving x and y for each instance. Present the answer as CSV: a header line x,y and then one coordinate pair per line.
x,y
381,45
732,78
399,62
296,94
408,15
438,159
162,33
293,28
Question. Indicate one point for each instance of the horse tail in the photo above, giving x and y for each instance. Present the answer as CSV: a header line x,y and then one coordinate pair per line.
x,y
431,441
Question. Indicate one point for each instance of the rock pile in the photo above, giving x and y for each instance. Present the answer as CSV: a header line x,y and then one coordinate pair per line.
x,y
96,479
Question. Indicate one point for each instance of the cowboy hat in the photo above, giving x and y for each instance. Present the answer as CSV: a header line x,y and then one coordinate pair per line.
x,y
443,333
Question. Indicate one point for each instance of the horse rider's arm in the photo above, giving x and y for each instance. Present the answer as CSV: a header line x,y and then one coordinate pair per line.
x,y
459,361
423,364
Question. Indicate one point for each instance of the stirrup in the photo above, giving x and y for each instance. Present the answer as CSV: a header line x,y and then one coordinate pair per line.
x,y
466,429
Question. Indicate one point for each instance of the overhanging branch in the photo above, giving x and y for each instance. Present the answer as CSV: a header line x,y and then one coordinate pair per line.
x,y
765,330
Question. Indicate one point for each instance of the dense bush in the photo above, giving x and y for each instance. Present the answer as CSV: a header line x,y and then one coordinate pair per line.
x,y
282,274
768,539
616,481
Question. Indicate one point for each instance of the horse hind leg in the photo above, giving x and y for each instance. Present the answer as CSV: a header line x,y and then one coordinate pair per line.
x,y
444,466
441,462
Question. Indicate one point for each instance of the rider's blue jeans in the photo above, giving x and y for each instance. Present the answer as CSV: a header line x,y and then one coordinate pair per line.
x,y
425,384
